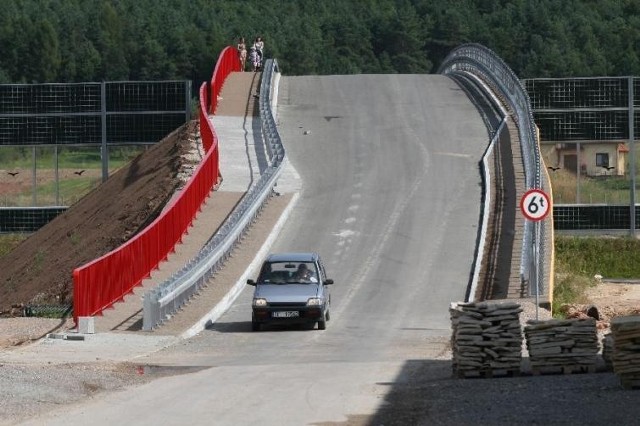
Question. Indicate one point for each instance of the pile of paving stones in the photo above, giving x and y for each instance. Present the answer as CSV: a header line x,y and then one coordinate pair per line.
x,y
486,339
567,346
626,350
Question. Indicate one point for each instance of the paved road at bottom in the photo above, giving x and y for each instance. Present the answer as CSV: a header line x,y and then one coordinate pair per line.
x,y
391,199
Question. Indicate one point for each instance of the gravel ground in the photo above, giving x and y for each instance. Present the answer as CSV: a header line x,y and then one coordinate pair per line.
x,y
28,389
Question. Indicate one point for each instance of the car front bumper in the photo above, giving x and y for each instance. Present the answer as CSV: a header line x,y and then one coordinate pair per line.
x,y
288,315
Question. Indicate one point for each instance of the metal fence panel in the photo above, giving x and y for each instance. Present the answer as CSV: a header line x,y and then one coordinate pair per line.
x,y
593,217
135,111
583,109
26,220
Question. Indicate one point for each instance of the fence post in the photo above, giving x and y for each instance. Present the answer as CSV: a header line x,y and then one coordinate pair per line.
x,y
187,101
632,162
104,154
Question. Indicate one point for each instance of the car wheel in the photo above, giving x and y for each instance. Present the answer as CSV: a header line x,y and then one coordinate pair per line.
x,y
322,324
255,326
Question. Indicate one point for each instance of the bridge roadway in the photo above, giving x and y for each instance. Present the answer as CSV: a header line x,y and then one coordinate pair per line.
x,y
389,193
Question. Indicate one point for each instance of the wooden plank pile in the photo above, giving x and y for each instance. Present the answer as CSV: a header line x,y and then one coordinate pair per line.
x,y
626,350
486,339
566,346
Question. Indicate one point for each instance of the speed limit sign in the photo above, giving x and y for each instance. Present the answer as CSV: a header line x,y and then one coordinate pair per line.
x,y
535,204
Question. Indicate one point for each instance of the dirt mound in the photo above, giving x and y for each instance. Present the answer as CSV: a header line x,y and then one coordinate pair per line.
x,y
607,300
40,269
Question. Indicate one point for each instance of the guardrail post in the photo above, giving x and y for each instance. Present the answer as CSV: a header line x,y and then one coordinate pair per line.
x,y
149,311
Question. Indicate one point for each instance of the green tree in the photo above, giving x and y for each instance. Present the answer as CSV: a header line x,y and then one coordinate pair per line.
x,y
402,36
43,60
111,44
79,40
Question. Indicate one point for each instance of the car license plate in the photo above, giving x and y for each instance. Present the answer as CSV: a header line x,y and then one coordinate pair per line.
x,y
286,314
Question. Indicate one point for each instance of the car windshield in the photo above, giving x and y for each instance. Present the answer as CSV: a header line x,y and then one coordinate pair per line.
x,y
288,273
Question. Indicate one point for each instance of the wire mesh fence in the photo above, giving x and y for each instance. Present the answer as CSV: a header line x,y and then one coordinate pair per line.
x,y
48,311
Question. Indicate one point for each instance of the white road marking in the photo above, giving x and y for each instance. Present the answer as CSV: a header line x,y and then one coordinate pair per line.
x,y
345,233
453,154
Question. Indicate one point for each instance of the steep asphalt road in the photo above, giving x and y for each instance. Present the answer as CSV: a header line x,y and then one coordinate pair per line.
x,y
391,199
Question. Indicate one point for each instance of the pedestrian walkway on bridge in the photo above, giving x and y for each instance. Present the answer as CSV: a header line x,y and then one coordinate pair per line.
x,y
242,159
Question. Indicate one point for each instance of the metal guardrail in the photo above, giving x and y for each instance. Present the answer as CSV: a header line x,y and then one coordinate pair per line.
x,y
485,64
486,169
164,300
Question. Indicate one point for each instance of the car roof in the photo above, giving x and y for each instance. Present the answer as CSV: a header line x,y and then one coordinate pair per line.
x,y
293,257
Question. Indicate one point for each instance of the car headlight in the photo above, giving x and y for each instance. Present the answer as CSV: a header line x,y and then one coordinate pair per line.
x,y
259,302
314,301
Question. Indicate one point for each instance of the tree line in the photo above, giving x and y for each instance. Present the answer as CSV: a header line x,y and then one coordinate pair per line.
x,y
96,40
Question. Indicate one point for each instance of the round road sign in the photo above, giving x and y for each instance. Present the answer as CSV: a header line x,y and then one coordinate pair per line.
x,y
535,204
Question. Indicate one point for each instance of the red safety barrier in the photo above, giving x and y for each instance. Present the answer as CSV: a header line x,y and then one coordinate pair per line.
x,y
102,282
229,61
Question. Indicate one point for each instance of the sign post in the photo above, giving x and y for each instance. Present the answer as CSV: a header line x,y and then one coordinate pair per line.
x,y
535,206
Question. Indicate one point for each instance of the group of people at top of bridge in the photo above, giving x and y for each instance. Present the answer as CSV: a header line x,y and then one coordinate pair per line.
x,y
255,54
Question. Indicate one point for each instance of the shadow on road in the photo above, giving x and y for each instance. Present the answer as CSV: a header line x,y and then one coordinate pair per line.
x,y
245,327
426,393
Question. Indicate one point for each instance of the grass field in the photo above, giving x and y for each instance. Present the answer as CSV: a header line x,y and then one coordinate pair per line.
x,y
42,176
66,157
593,190
68,192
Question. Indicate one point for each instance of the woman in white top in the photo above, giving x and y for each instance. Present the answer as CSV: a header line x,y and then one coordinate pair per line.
x,y
242,53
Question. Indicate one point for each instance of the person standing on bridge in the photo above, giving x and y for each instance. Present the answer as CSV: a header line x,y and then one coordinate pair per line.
x,y
254,58
242,53
259,45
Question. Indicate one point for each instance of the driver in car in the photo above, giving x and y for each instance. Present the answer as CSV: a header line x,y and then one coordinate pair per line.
x,y
304,274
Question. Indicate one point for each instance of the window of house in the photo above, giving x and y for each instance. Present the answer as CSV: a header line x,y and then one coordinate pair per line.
x,y
602,159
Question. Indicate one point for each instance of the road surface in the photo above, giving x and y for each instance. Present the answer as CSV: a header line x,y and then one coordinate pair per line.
x,y
390,197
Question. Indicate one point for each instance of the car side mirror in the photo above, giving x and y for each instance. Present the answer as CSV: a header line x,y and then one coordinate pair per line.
x,y
328,281
251,282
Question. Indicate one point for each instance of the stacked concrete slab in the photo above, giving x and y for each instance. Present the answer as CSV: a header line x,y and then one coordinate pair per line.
x,y
562,345
626,350
486,338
